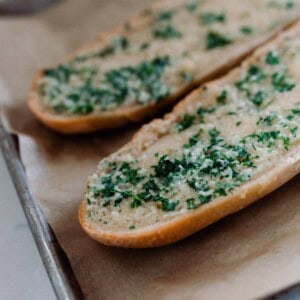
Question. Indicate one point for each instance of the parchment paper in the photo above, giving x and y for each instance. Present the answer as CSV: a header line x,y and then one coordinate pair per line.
x,y
245,256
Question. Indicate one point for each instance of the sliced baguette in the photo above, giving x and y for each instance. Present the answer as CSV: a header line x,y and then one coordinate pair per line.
x,y
255,109
180,30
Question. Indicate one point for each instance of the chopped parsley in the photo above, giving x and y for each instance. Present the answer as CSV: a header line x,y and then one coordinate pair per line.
x,y
165,167
207,165
282,83
62,73
266,136
119,43
193,140
164,15
295,111
216,40
222,98
255,74
290,4
247,30
202,111
232,113
186,122
216,170
163,27
212,17
144,46
269,138
192,5
130,174
190,203
267,121
112,91
285,4
193,203
166,32
137,201
258,98
272,58
167,205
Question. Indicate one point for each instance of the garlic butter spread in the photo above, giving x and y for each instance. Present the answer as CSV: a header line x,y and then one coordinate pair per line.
x,y
176,44
227,133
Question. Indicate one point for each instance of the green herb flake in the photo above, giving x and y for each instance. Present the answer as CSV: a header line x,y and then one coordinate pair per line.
x,y
164,15
216,40
212,17
192,142
282,83
165,167
254,75
130,174
166,31
215,172
223,188
246,30
258,98
191,5
293,130
192,203
232,113
290,5
202,111
119,43
223,97
267,121
112,91
62,73
272,58
186,122
295,111
137,201
204,199
267,138
284,4
168,205
286,142
144,46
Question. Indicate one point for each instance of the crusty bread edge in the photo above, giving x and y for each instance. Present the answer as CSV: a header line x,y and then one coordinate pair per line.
x,y
121,116
182,226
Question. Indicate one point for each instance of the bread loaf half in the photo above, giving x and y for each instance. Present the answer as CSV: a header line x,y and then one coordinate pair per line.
x,y
139,68
228,144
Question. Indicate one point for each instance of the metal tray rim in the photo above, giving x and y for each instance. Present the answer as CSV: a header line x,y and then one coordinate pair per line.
x,y
54,259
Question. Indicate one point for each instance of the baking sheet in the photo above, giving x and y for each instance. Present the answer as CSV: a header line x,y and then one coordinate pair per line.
x,y
56,263
245,256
